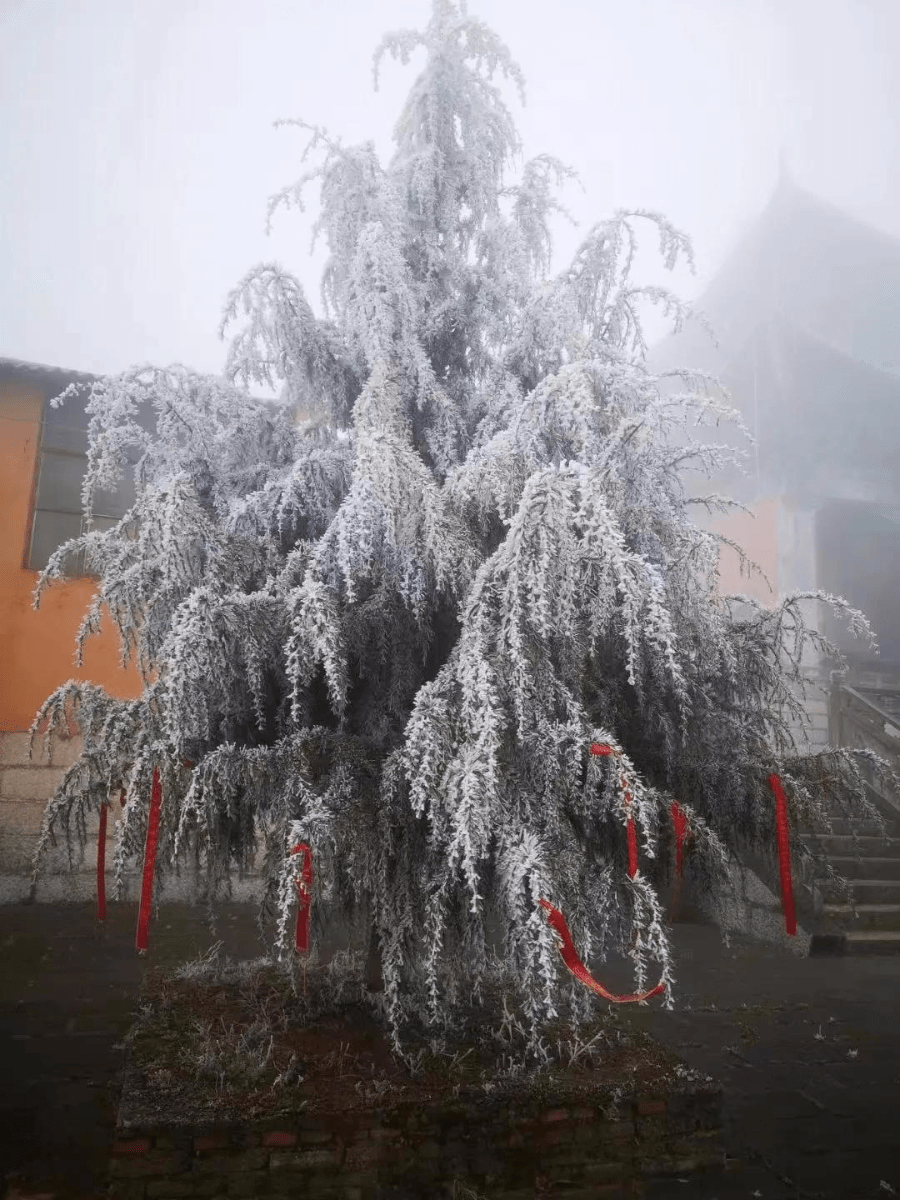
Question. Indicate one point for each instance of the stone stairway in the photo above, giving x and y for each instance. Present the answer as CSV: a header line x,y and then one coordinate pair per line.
x,y
871,865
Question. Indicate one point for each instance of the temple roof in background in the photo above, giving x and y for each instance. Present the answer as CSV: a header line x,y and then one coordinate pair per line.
x,y
806,264
806,310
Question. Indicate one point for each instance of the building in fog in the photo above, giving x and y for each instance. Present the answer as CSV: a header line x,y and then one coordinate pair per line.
x,y
43,458
806,311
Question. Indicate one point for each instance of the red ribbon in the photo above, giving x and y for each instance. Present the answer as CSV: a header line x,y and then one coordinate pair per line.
x,y
304,893
632,835
605,751
149,863
577,967
680,823
632,848
784,855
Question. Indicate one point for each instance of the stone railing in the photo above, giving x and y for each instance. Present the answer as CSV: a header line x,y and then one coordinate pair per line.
x,y
867,716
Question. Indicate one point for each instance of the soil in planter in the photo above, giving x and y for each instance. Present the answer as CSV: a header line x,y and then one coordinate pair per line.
x,y
247,1047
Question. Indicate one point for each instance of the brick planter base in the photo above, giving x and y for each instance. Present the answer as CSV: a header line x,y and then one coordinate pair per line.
x,y
503,1148
353,1125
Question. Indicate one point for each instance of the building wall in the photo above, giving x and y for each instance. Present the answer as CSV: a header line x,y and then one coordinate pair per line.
x,y
36,648
780,537
757,535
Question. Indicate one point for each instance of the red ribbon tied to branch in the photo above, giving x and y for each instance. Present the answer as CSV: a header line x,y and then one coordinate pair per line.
x,y
784,856
603,751
304,893
149,863
680,824
577,967
598,749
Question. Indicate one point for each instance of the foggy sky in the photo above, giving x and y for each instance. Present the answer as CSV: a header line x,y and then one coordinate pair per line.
x,y
138,152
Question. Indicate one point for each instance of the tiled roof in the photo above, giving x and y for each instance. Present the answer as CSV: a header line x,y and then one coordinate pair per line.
x,y
807,264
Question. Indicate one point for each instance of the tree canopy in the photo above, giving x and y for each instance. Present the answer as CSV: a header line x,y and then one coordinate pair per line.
x,y
393,629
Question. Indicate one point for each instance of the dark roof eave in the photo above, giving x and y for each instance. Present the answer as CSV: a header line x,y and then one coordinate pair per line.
x,y
51,379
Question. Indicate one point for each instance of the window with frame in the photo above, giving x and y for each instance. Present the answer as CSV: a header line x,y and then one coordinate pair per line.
x,y
62,465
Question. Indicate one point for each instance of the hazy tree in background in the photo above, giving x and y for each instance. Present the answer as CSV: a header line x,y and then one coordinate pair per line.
x,y
394,630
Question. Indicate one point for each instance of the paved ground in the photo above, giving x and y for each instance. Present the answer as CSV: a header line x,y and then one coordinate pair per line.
x,y
808,1051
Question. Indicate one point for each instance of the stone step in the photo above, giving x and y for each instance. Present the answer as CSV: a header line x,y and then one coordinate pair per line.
x,y
870,916
873,941
866,867
866,891
857,942
866,846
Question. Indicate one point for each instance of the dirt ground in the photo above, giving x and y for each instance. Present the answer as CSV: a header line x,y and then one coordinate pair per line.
x,y
807,1049
216,1044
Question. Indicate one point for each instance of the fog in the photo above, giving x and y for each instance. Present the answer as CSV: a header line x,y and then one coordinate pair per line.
x,y
138,148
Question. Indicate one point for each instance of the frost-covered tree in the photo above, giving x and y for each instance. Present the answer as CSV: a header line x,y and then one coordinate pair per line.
x,y
394,629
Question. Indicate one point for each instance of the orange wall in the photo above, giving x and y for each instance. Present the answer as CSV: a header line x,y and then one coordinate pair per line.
x,y
37,649
758,538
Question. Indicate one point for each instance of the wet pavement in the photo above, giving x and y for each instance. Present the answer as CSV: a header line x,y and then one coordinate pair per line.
x,y
807,1050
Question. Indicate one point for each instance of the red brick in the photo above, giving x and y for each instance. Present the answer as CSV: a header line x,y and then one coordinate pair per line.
x,y
131,1146
279,1137
211,1141
555,1114
648,1108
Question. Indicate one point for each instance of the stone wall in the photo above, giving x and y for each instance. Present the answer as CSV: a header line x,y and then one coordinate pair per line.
x,y
26,784
506,1152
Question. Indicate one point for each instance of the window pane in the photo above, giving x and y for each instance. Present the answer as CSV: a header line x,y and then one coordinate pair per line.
x,y
117,503
60,487
60,482
65,428
101,524
51,529
60,436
